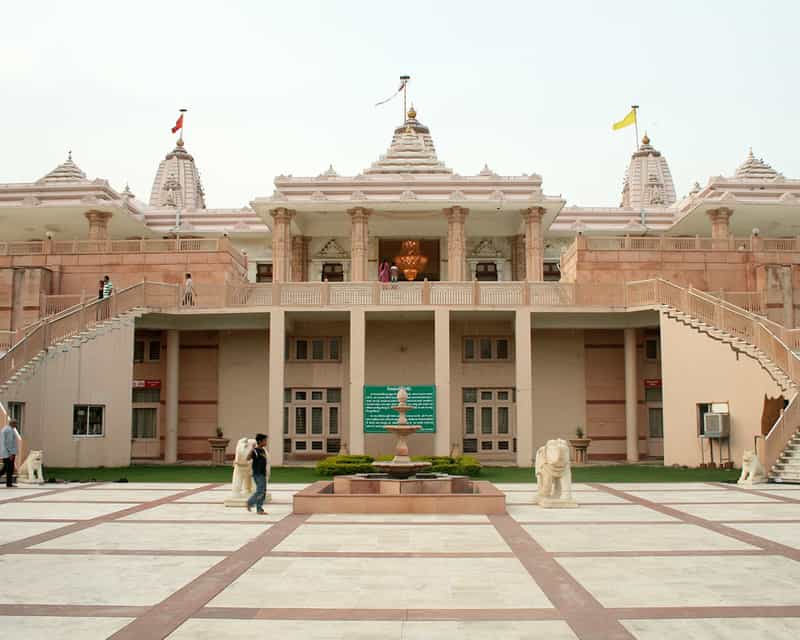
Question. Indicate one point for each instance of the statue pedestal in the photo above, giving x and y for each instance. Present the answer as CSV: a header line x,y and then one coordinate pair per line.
x,y
556,503
750,483
241,501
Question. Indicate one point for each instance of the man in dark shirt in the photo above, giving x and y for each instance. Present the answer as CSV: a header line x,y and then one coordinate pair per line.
x,y
260,472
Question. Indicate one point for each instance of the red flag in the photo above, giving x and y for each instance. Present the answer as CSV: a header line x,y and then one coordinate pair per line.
x,y
178,124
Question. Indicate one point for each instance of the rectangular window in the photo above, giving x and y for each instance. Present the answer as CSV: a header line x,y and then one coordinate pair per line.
x,y
652,395
486,348
333,349
264,272
317,349
488,422
656,422
138,350
333,420
87,420
502,349
469,349
154,351
651,348
146,395
312,421
144,425
316,421
16,411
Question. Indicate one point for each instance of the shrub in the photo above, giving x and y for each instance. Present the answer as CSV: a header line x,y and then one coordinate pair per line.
x,y
345,465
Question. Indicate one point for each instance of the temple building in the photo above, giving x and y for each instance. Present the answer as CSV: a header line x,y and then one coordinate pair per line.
x,y
655,328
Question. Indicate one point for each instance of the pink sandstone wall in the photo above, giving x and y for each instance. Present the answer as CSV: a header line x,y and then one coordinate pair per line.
x,y
97,372
197,398
699,369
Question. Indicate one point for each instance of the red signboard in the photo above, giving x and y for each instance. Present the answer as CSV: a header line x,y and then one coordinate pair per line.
x,y
652,383
147,384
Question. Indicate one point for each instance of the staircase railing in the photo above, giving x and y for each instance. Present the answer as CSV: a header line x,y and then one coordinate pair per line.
x,y
774,443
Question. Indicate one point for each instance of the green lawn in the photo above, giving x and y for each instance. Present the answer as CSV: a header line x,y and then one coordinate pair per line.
x,y
181,473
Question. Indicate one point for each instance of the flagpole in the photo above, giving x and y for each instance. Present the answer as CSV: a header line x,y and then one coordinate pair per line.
x,y
183,122
404,80
635,108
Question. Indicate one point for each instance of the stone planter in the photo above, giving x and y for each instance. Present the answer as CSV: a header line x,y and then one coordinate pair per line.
x,y
218,448
579,446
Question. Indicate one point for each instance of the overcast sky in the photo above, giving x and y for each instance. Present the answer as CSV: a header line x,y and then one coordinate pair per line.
x,y
289,87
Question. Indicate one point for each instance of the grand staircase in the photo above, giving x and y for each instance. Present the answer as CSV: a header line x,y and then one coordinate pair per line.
x,y
787,468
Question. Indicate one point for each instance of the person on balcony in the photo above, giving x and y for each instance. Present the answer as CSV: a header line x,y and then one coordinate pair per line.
x,y
188,291
394,273
383,271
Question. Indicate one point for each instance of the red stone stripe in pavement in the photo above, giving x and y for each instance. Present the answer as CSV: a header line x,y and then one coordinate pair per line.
x,y
581,610
775,495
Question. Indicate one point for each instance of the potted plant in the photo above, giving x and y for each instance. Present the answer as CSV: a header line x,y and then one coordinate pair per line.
x,y
580,444
219,445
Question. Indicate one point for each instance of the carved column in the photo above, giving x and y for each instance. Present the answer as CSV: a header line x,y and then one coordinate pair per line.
x,y
98,224
456,244
359,242
720,224
300,258
281,244
534,246
518,258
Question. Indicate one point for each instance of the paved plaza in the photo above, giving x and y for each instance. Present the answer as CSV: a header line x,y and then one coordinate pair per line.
x,y
645,561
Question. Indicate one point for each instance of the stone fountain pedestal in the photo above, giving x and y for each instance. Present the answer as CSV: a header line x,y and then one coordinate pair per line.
x,y
400,487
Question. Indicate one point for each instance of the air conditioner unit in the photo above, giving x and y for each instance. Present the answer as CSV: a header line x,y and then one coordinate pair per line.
x,y
716,425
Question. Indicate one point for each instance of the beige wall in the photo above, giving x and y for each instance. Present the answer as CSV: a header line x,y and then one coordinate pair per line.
x,y
99,371
698,369
197,396
399,352
559,395
243,384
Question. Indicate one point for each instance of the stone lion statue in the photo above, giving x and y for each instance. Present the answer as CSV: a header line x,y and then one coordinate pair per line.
x,y
30,471
752,469
243,485
554,474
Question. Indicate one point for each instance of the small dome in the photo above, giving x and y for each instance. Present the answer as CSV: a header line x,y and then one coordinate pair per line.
x,y
65,172
755,169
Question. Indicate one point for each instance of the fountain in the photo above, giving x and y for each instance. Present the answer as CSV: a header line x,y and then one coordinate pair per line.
x,y
401,465
400,487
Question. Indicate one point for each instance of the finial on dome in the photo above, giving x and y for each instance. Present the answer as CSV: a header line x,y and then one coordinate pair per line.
x,y
180,141
646,139
412,113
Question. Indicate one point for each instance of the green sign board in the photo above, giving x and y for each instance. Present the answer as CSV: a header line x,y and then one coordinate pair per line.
x,y
378,403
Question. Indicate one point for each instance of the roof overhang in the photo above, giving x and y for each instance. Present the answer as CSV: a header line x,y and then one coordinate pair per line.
x,y
68,221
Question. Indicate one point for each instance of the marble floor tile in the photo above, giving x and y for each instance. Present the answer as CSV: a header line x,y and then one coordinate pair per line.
x,y
397,517
12,531
98,580
370,630
160,486
108,495
56,511
159,537
787,533
392,538
715,628
663,486
19,492
60,628
189,511
586,513
722,512
581,497
385,583
725,495
675,581
632,537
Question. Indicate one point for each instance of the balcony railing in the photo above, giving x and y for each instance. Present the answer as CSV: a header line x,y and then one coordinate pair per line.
x,y
695,243
169,245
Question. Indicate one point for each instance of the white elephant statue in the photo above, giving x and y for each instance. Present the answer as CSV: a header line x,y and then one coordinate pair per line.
x,y
242,485
554,475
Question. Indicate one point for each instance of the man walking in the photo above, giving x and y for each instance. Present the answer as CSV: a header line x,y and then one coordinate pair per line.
x,y
260,474
8,450
108,287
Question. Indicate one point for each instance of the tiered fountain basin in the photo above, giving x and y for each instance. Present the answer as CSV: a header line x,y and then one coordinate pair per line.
x,y
402,487
380,493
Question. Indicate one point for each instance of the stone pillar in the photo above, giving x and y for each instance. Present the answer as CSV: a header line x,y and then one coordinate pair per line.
x,y
277,344
442,442
281,244
524,383
98,224
518,258
720,223
456,244
359,242
534,245
173,388
631,398
300,258
358,363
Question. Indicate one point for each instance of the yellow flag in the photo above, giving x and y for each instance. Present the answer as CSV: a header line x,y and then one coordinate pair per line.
x,y
627,121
